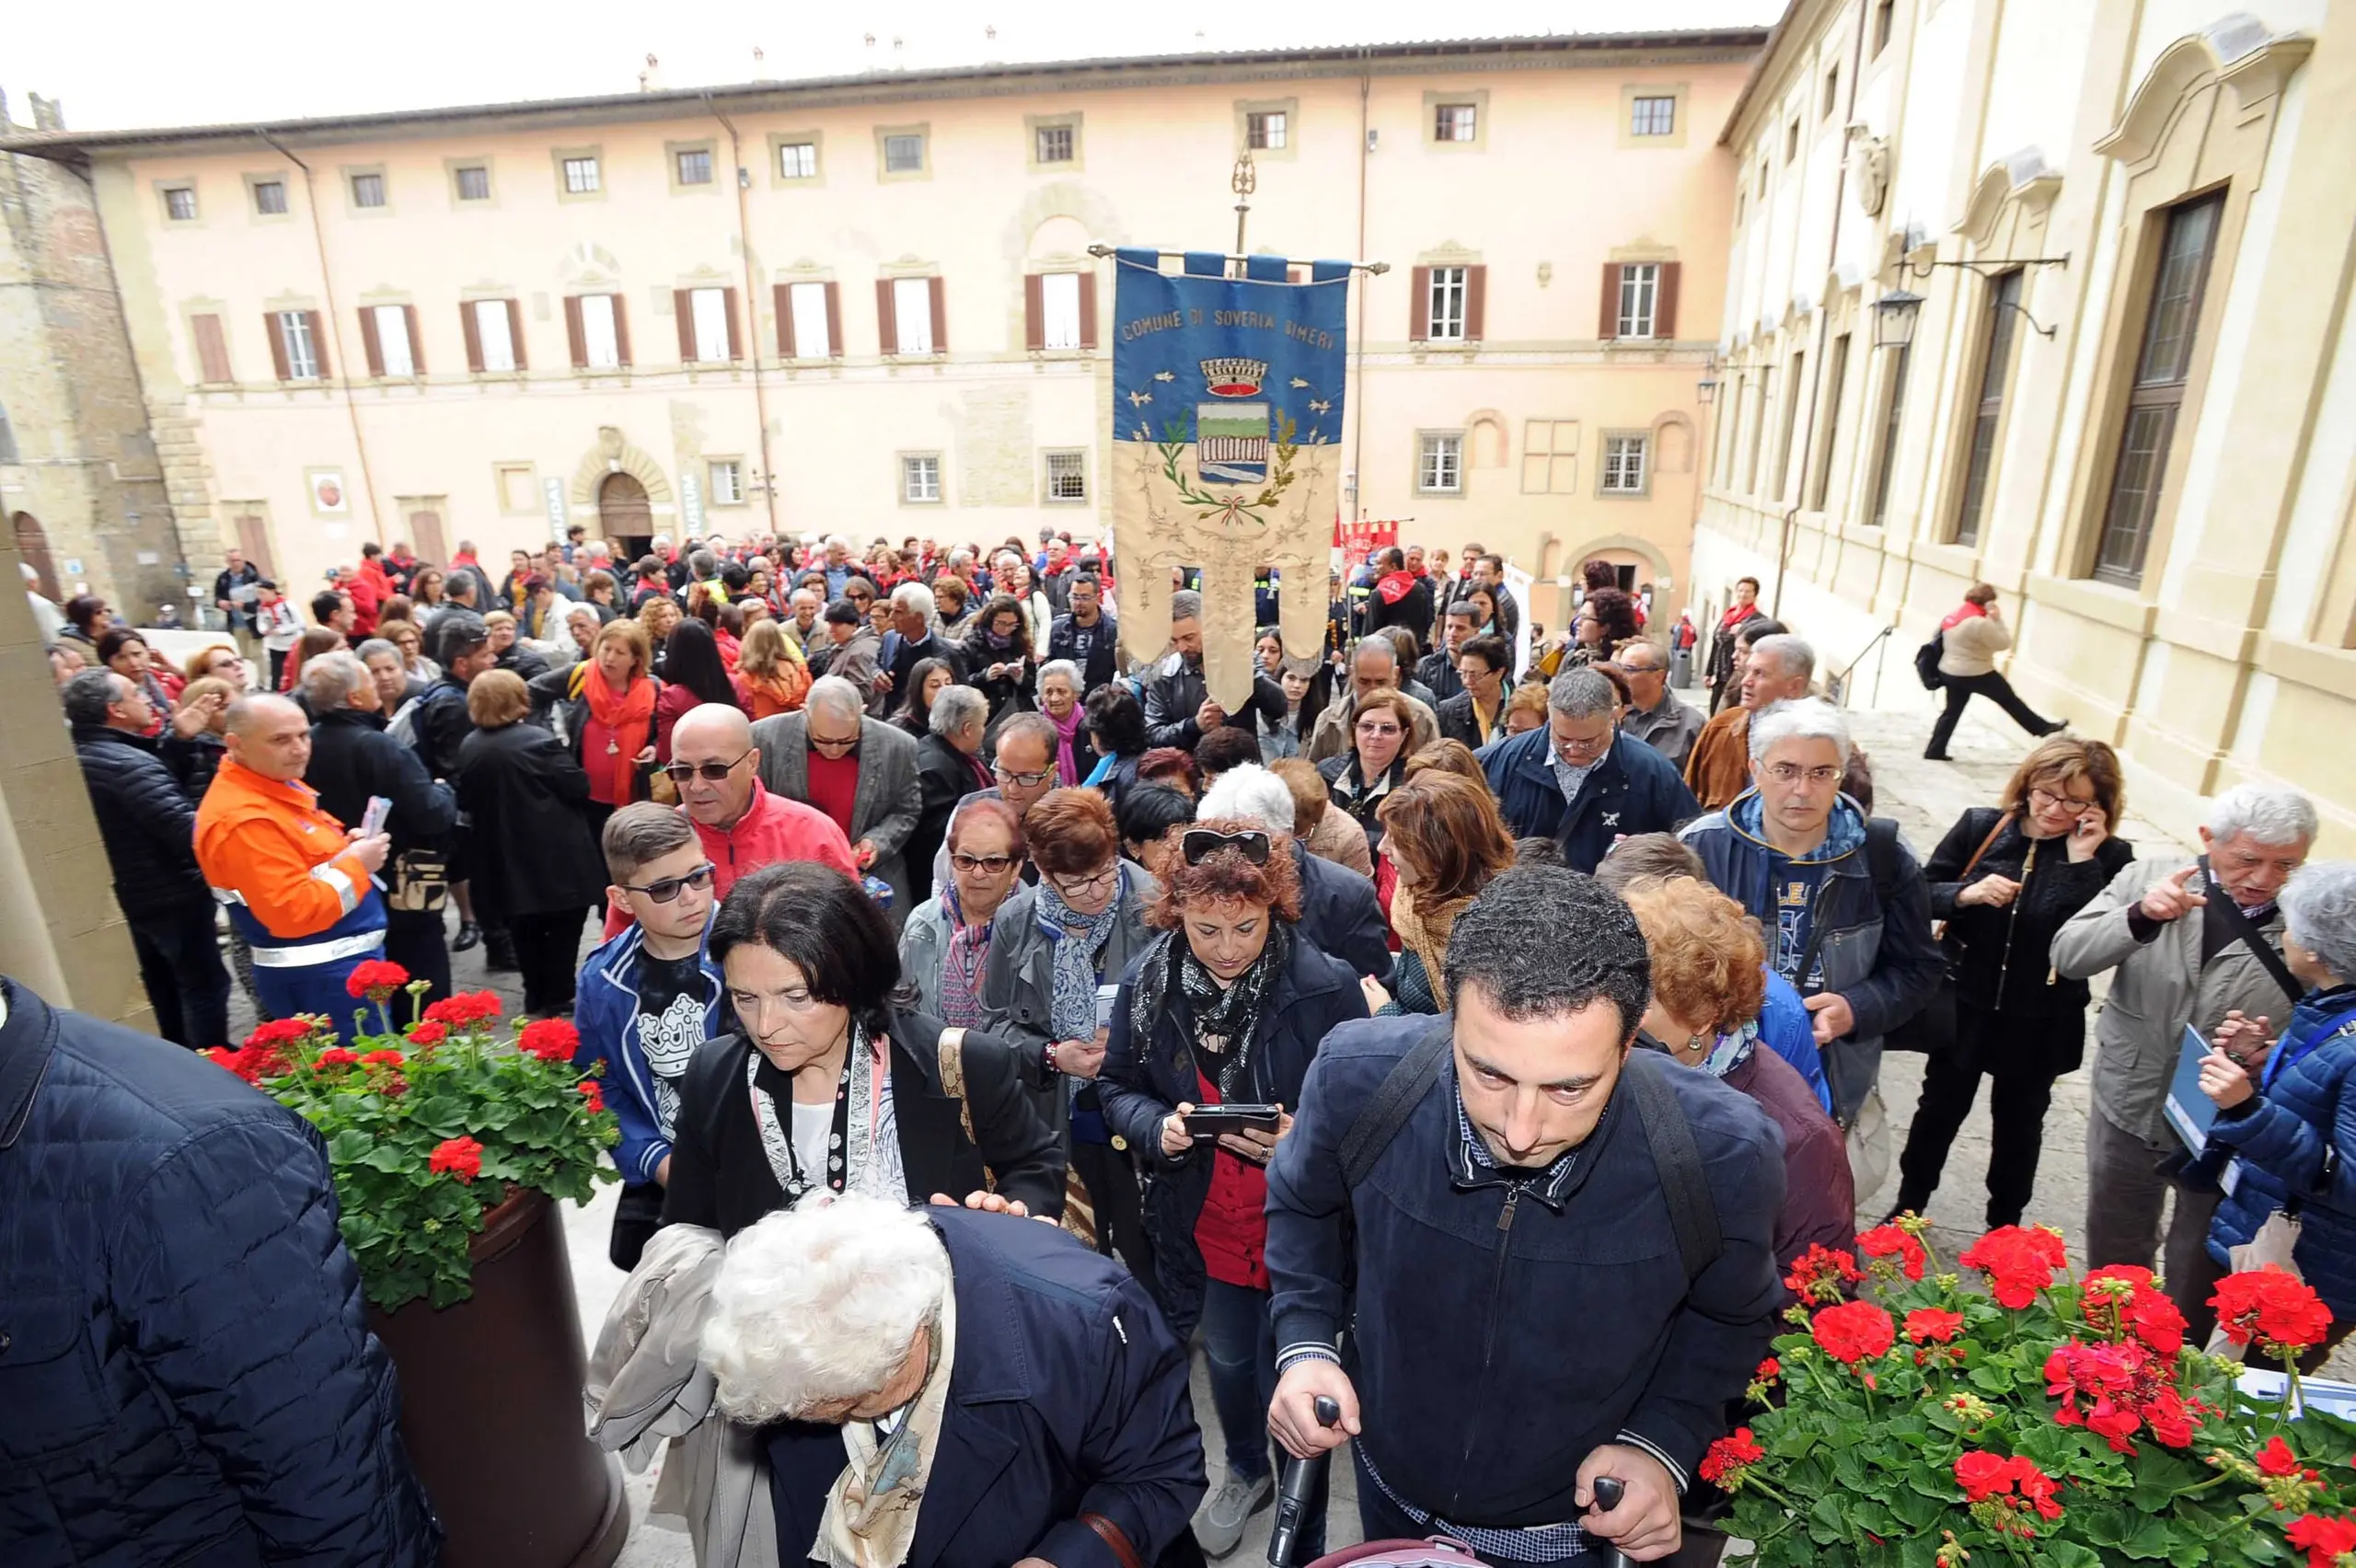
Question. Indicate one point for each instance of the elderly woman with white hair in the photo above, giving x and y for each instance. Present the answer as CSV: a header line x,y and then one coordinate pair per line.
x,y
954,1389
1060,695
2287,1108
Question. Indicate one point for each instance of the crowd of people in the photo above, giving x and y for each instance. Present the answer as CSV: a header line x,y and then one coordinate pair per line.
x,y
1302,1019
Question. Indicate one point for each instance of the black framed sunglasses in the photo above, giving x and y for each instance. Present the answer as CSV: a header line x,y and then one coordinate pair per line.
x,y
1200,843
666,890
714,772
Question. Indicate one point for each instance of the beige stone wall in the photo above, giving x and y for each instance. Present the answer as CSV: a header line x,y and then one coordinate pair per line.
x,y
87,470
1552,190
2011,134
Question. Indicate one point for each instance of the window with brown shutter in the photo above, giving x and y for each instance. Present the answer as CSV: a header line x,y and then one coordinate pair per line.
x,y
515,333
1665,303
621,329
683,315
1419,305
319,343
887,330
1477,299
212,350
271,334
782,300
371,346
735,341
573,337
834,323
1035,312
1088,310
940,319
474,337
1607,320
416,353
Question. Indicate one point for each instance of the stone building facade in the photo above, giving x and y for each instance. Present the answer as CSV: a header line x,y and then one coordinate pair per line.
x,y
84,483
2124,398
869,306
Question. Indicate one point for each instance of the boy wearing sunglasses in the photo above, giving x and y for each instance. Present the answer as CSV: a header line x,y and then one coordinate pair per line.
x,y
649,998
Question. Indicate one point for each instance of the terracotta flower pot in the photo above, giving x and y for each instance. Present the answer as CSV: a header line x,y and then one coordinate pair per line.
x,y
490,1405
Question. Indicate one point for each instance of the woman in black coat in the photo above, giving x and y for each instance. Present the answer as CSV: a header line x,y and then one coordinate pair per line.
x,y
826,1084
999,660
2005,879
532,856
1228,1006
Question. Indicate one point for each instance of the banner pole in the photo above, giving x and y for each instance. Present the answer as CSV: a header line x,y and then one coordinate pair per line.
x,y
1377,267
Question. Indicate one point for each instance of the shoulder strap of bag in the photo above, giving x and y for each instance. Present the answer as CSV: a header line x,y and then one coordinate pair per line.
x,y
2269,957
2002,818
1400,1091
1692,1214
1115,1540
950,1054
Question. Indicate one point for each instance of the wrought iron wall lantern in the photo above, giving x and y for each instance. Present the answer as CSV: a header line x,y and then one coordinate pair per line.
x,y
1897,312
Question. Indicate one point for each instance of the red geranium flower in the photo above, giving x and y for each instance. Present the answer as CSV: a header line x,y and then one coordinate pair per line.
x,y
461,1157
1889,1241
336,1057
427,1035
551,1039
2120,1299
1730,1456
1853,1331
1929,1323
2276,1458
1821,1273
377,979
1769,1371
382,1059
1989,1483
2018,1262
1982,1474
588,1091
2113,1389
2271,1309
2324,1540
466,1007
278,1032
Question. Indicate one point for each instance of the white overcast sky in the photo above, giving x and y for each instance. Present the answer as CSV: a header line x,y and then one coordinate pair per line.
x,y
151,62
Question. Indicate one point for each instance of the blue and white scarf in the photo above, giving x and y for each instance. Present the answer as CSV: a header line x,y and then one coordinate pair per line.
x,y
1079,953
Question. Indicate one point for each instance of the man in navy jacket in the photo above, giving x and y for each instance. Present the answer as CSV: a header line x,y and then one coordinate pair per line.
x,y
1528,1319
186,1371
1579,781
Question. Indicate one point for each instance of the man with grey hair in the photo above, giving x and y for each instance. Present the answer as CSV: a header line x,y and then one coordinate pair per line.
x,y
860,771
1022,772
1655,715
139,794
1579,781
1338,912
1776,668
355,759
2193,943
914,638
1847,912
949,769
1374,665
1179,709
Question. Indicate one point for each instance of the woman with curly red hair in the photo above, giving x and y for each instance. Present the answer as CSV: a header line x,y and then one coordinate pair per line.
x,y
1226,1008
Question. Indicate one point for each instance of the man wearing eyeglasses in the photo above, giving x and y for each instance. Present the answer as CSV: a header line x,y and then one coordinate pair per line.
x,y
1579,781
1844,904
1026,770
742,827
861,772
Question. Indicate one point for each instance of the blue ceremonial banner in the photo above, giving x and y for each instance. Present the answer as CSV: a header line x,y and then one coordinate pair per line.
x,y
1227,427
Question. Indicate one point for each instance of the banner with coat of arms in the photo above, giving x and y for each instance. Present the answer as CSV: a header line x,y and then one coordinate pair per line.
x,y
1227,427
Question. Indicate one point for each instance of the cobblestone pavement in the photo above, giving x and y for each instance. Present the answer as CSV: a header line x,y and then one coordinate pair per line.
x,y
1925,797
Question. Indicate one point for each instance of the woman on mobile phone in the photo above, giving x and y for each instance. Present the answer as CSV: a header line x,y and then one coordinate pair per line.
x,y
2005,879
1225,1008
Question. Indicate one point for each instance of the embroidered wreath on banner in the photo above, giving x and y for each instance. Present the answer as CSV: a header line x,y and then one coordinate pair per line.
x,y
1227,509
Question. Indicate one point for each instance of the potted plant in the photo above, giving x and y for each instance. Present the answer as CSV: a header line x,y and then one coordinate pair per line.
x,y
2045,1421
449,1149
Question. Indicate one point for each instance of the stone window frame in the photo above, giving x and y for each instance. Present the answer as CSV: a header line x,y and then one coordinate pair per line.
x,y
253,197
1680,124
533,506
816,141
559,156
900,461
165,189
1479,99
1603,439
711,497
1455,434
671,151
350,175
489,201
1287,107
1048,496
922,132
1034,124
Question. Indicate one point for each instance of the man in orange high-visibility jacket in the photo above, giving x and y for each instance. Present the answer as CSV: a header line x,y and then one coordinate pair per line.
x,y
299,888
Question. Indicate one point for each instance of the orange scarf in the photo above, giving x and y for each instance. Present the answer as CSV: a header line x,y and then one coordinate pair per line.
x,y
631,716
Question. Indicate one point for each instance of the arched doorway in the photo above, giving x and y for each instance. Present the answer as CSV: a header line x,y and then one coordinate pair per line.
x,y
32,544
625,516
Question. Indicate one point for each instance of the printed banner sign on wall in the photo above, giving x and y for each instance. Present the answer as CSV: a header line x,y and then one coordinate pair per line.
x,y
1227,424
1361,540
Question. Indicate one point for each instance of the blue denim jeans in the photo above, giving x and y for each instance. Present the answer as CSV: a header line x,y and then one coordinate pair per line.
x,y
1239,1338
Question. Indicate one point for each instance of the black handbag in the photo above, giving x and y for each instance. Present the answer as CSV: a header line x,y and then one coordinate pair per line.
x,y
1933,1029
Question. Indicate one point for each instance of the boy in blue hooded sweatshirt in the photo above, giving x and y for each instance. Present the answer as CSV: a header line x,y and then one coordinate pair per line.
x,y
649,998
